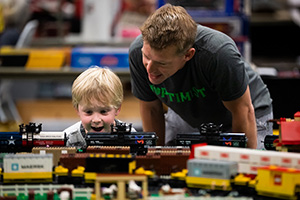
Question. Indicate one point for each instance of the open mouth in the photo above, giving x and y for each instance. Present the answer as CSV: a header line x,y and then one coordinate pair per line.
x,y
152,76
97,128
155,79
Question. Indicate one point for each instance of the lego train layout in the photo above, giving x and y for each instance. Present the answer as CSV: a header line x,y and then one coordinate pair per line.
x,y
38,165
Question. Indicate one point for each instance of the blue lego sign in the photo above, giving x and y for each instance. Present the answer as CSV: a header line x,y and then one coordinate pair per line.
x,y
15,167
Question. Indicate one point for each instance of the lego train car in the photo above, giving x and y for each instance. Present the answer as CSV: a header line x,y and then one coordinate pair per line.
x,y
27,168
248,159
270,181
31,135
210,174
212,134
10,141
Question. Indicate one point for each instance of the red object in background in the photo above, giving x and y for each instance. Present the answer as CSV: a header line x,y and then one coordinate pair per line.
x,y
193,149
290,132
297,114
78,8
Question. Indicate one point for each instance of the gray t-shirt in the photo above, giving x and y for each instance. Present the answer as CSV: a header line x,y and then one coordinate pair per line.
x,y
75,135
216,73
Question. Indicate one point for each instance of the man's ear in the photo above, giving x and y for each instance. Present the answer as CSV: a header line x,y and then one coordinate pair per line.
x,y
189,54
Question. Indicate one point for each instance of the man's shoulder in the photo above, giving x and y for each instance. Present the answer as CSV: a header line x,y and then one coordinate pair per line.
x,y
136,44
211,40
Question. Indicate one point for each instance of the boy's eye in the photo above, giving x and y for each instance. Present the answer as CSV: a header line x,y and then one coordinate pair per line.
x,y
103,111
88,112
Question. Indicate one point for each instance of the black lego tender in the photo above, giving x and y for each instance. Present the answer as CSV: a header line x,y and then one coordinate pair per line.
x,y
121,135
212,134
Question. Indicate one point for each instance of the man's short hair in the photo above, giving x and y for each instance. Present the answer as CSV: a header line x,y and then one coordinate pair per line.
x,y
170,25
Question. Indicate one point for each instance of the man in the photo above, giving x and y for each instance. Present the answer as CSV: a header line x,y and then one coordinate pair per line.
x,y
200,75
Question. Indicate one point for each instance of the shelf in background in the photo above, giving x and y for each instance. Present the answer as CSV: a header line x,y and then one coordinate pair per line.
x,y
65,73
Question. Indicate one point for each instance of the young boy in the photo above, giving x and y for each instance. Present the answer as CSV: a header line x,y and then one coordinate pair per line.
x,y
97,95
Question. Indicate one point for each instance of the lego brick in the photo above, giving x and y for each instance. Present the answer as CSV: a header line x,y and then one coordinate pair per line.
x,y
56,151
290,132
16,163
108,149
108,163
72,161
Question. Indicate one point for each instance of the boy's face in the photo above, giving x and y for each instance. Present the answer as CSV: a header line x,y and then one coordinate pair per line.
x,y
97,117
162,64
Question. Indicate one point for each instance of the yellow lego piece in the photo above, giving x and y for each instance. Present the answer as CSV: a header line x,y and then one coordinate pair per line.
x,y
28,177
61,171
209,183
278,182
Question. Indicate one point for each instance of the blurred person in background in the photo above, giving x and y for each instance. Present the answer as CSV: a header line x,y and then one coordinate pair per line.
x,y
14,14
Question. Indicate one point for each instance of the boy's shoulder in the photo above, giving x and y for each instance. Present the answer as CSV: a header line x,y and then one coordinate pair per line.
x,y
73,128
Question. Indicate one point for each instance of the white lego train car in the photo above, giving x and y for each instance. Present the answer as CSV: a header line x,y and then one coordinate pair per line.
x,y
44,138
27,168
248,159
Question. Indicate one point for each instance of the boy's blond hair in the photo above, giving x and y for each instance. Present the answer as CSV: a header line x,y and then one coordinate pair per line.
x,y
97,84
170,25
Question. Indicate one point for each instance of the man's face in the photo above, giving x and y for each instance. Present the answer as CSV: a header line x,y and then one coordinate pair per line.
x,y
162,64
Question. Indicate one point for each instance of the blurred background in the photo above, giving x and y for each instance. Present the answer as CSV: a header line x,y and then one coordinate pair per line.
x,y
45,44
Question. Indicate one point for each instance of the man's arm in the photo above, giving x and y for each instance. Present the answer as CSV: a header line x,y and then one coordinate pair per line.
x,y
153,119
243,117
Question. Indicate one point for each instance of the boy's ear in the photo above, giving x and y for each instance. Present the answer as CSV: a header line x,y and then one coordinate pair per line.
x,y
76,110
118,111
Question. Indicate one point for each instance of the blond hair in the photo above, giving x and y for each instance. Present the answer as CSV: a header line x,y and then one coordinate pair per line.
x,y
99,84
170,25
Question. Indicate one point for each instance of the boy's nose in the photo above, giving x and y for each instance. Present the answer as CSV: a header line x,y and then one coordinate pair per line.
x,y
97,119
